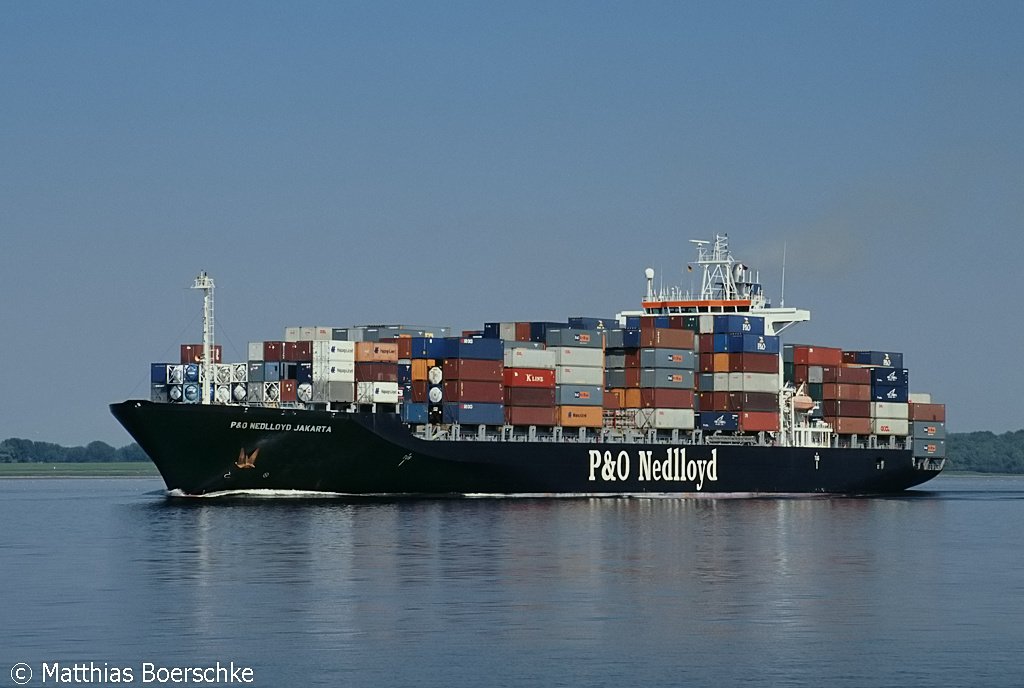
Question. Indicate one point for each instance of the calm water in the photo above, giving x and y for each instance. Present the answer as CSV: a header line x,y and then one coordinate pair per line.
x,y
923,589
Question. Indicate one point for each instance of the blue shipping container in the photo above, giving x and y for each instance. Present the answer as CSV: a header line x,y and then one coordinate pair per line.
x,y
271,371
475,348
738,324
192,373
415,413
593,339
628,338
473,413
404,373
752,344
539,329
592,323
899,377
887,359
579,395
429,347
492,330
713,420
633,321
304,372
158,373
721,343
894,393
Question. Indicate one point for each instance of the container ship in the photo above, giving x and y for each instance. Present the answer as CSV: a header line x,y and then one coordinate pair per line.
x,y
692,394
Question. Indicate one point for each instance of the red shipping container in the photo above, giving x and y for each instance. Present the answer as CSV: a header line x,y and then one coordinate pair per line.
x,y
522,331
800,374
759,421
846,392
848,375
632,376
473,369
753,401
530,415
817,355
289,390
935,413
754,363
404,347
298,351
611,400
706,362
368,371
193,353
706,343
666,398
529,377
529,396
850,426
836,408
273,351
474,390
713,401
419,391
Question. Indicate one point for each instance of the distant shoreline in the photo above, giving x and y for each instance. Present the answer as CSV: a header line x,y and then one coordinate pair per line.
x,y
111,469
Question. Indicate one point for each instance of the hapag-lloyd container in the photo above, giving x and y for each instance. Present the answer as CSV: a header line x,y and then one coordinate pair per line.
x,y
666,358
579,395
671,378
928,430
590,339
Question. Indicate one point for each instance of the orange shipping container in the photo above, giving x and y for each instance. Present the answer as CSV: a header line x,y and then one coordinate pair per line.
x,y
935,413
817,355
721,364
420,368
632,399
850,426
611,400
377,352
663,338
580,416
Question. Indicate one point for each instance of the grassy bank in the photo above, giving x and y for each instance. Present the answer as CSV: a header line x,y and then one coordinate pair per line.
x,y
113,469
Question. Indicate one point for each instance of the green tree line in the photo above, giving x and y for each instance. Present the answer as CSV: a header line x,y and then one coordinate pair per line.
x,y
15,450
983,452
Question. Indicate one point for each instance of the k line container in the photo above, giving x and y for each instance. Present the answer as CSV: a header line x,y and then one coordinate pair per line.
x,y
529,377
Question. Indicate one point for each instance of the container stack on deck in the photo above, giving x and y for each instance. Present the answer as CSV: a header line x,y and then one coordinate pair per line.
x,y
716,373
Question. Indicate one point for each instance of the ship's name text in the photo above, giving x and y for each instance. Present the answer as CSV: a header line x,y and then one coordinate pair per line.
x,y
610,466
278,427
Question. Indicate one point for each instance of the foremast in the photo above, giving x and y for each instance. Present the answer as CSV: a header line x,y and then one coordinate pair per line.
x,y
205,283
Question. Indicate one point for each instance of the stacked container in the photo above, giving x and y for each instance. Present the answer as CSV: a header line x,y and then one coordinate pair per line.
x,y
739,375
529,376
579,376
473,373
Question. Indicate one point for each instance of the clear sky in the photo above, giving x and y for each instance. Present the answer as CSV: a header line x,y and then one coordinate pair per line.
x,y
453,163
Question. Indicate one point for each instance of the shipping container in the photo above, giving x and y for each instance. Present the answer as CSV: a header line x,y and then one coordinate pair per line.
x,y
616,377
622,338
192,371
591,339
474,390
414,413
846,392
928,429
846,375
896,377
539,329
271,392
273,351
193,353
837,408
289,391
341,392
531,415
738,324
885,409
750,344
160,373
665,419
529,377
713,401
428,347
473,413
577,416
850,426
473,369
714,420
304,372
928,412
752,363
929,448
578,356
579,375
160,393
579,395
667,358
753,401
759,421
615,358
529,396
255,351
817,355
298,351
377,392
586,323
890,426
887,359
666,377
192,393
376,352
632,398
893,393
334,350
666,398
664,338
376,372
753,382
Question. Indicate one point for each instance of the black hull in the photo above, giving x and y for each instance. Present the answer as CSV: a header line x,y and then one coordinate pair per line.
x,y
202,450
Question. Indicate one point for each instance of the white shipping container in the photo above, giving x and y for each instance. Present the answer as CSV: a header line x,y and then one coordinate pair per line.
x,y
507,331
292,334
306,334
334,372
254,393
321,333
886,409
530,358
222,373
721,383
175,374
920,398
238,393
705,324
341,392
579,375
255,351
334,350
890,426
753,382
239,372
579,356
222,394
665,419
377,392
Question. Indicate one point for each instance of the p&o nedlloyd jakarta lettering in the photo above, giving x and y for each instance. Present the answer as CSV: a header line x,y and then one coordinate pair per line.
x,y
675,467
695,391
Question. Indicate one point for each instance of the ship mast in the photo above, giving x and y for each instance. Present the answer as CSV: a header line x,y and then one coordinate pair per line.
x,y
205,282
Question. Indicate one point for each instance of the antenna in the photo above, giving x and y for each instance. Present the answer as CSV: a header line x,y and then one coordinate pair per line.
x,y
782,299
649,274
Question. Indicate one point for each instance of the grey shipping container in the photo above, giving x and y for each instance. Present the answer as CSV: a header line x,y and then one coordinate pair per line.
x,y
579,395
666,378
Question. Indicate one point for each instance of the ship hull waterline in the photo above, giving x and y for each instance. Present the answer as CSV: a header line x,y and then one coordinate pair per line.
x,y
213,450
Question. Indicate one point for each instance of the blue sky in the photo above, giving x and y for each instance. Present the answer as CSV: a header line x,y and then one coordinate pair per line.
x,y
453,163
